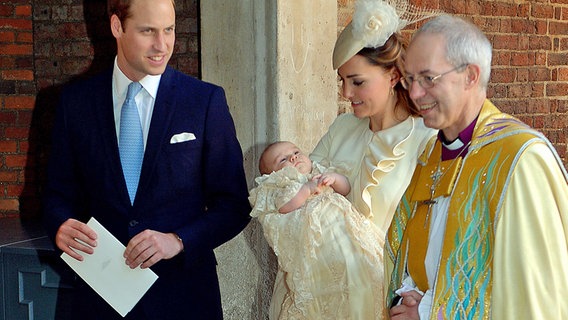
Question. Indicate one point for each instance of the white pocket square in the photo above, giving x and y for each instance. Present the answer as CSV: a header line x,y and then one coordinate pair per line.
x,y
181,137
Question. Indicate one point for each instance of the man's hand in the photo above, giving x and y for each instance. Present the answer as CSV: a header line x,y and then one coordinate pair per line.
x,y
75,235
149,247
408,310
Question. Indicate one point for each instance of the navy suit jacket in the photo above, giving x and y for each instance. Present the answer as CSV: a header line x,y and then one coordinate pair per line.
x,y
195,188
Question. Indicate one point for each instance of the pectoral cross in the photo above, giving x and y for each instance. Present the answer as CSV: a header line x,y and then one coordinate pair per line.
x,y
435,176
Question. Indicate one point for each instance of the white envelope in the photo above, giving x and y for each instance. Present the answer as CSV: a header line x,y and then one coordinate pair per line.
x,y
107,273
181,137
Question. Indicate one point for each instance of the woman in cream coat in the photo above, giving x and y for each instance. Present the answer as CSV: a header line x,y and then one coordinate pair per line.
x,y
379,142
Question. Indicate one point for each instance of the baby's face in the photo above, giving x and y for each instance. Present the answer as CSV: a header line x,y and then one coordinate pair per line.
x,y
286,154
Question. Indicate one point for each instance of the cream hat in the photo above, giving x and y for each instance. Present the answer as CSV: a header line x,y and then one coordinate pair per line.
x,y
374,21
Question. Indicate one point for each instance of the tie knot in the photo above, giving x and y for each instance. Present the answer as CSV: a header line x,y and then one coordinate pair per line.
x,y
133,89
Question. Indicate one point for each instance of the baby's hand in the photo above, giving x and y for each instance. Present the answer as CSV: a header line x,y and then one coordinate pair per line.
x,y
324,179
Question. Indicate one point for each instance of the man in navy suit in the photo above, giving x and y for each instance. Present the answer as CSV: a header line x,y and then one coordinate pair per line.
x,y
191,195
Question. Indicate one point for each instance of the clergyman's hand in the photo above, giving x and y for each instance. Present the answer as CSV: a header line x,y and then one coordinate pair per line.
x,y
408,310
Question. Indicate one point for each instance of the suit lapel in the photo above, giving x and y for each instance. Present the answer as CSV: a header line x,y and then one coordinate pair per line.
x,y
104,112
161,118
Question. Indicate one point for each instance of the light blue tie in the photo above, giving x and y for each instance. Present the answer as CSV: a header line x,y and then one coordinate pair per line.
x,y
131,141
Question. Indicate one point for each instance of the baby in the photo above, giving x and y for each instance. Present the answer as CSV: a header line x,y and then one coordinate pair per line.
x,y
328,255
283,154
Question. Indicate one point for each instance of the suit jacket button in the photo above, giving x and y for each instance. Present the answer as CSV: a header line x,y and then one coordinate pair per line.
x,y
132,223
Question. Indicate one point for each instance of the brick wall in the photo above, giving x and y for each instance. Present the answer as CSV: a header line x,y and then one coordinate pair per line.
x,y
44,44
17,96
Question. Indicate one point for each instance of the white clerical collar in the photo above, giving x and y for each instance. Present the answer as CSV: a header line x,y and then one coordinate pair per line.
x,y
454,145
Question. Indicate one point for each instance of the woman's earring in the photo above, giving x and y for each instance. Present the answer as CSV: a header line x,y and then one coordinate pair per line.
x,y
391,91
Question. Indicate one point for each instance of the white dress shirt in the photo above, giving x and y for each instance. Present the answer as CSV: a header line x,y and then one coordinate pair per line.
x,y
145,99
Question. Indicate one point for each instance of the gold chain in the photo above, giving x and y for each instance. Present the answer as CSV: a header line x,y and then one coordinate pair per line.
x,y
436,178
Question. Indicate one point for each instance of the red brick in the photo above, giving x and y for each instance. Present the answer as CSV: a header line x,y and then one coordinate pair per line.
x,y
523,10
8,176
8,147
15,49
538,106
473,7
453,7
506,105
525,119
24,117
504,25
541,27
6,10
16,24
499,91
17,75
563,135
510,42
9,204
556,89
7,36
542,10
564,13
20,102
559,28
551,134
539,74
523,42
501,58
540,58
25,11
16,161
24,147
7,117
22,175
522,26
486,8
539,121
24,62
537,42
489,24
557,13
557,59
17,133
25,37
521,59
502,75
522,75
559,122
14,190
562,74
7,62
504,9
525,90
562,106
